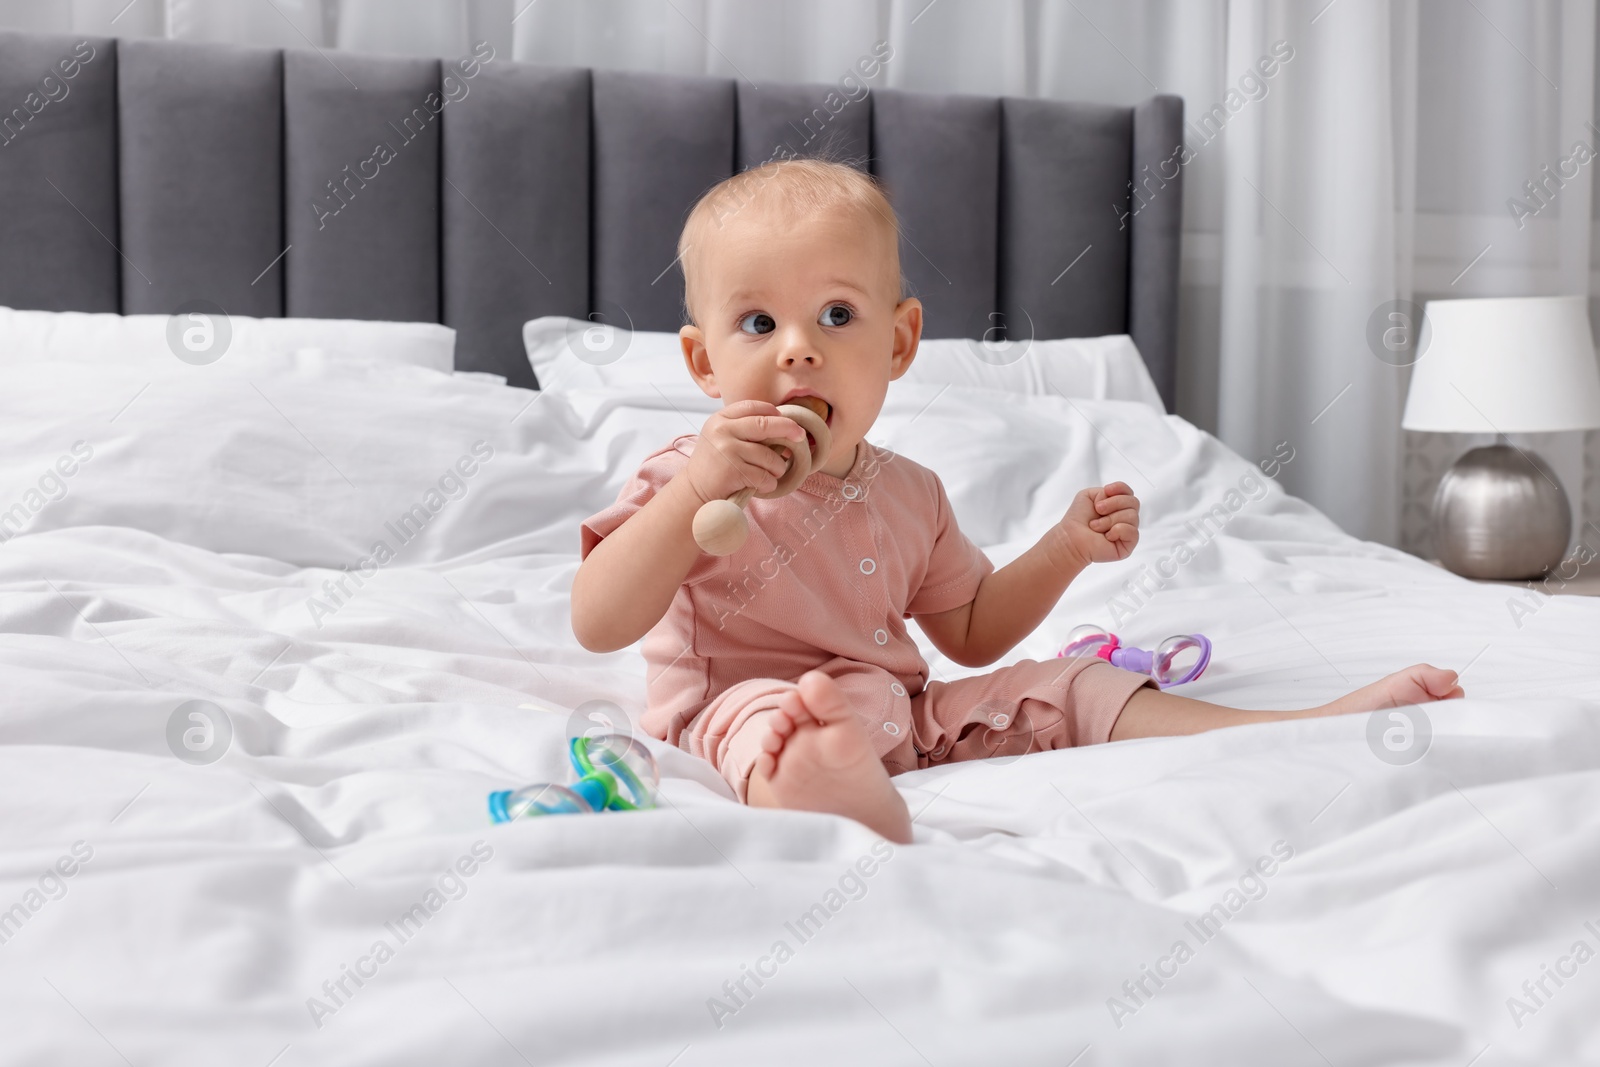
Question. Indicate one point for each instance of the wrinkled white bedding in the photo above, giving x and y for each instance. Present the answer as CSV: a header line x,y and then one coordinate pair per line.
x,y
208,905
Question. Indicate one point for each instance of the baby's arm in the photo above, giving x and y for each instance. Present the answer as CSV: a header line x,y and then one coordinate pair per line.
x,y
1102,525
627,582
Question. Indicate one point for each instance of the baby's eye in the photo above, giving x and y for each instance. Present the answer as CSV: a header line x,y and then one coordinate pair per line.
x,y
835,315
757,322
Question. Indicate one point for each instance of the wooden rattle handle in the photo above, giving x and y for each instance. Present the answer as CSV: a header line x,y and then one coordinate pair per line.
x,y
720,526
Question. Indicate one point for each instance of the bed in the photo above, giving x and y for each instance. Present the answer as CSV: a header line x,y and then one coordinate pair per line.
x,y
313,878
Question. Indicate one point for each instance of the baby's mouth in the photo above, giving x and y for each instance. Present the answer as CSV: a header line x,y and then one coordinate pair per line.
x,y
818,407
821,407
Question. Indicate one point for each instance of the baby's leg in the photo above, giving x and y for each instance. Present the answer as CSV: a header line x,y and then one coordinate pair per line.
x,y
816,756
1153,713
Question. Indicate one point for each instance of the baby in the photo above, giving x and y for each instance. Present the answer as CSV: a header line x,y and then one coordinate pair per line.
x,y
788,664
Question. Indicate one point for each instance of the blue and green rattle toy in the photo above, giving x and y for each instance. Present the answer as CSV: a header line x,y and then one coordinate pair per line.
x,y
615,773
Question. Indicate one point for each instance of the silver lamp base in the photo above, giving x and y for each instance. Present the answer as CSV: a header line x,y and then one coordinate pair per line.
x,y
1500,513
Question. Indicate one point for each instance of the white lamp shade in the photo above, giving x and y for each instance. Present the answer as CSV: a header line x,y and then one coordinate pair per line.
x,y
1505,365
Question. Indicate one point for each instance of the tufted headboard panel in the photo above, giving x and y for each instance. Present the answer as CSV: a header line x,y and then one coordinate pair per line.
x,y
138,175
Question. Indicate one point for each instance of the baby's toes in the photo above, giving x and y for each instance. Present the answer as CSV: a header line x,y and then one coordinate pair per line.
x,y
793,706
1434,683
781,722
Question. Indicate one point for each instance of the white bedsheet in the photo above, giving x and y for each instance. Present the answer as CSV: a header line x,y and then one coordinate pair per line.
x,y
216,900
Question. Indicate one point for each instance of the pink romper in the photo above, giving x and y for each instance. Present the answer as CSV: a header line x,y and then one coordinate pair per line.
x,y
826,580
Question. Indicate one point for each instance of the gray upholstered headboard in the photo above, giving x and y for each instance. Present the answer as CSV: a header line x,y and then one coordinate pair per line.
x,y
157,173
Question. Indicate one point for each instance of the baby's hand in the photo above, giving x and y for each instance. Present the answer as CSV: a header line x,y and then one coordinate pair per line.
x,y
1102,525
731,455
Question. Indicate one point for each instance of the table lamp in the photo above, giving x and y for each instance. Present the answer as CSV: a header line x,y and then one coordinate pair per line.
x,y
1505,365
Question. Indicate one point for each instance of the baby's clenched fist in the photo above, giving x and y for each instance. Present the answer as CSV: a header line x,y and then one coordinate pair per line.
x,y
1102,525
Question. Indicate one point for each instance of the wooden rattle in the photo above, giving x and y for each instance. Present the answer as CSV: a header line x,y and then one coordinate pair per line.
x,y
720,526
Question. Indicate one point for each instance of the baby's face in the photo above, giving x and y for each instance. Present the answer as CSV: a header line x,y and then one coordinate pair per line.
x,y
786,309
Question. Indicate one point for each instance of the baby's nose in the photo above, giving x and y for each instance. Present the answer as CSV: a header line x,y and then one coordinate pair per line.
x,y
799,350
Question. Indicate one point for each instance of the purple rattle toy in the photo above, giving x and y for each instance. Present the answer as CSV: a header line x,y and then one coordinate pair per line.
x,y
1176,660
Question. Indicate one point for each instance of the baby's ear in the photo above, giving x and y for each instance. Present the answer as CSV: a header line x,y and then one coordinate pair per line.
x,y
907,335
698,360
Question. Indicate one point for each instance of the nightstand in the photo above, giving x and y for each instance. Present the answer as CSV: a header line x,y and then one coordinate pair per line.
x,y
1585,583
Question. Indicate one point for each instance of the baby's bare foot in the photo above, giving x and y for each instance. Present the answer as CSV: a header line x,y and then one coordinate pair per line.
x,y
816,757
1418,684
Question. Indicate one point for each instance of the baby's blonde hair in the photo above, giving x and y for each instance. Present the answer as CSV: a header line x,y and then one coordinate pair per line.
x,y
799,189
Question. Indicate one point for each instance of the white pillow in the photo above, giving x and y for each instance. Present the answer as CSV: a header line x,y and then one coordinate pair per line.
x,y
574,354
158,339
1082,368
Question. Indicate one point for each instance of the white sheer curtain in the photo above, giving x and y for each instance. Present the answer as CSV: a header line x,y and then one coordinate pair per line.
x,y
1375,163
